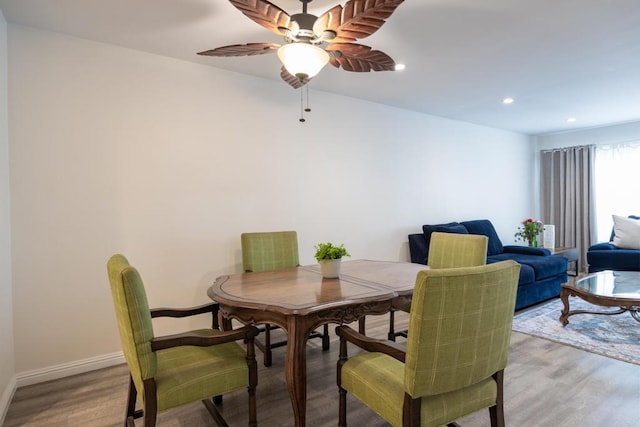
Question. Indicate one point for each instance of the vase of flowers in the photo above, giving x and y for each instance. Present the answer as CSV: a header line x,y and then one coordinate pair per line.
x,y
529,231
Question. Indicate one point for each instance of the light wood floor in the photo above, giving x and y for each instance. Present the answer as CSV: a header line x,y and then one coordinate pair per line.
x,y
546,384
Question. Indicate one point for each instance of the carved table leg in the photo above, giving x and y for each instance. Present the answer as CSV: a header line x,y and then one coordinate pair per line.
x,y
296,366
564,296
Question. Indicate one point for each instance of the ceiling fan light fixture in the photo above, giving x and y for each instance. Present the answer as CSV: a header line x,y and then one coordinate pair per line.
x,y
303,60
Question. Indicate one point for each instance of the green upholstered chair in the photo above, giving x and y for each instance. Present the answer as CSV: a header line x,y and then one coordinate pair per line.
x,y
272,251
173,370
456,352
449,250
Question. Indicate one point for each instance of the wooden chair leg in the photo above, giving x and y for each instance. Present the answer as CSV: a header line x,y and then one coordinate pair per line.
x,y
392,332
342,409
253,382
253,418
131,402
496,413
150,403
215,414
411,411
267,345
325,337
342,400
131,413
493,415
362,325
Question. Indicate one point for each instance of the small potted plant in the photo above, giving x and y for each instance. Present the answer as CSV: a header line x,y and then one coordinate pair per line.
x,y
329,257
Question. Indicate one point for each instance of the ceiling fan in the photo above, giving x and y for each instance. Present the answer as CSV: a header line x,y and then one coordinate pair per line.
x,y
302,54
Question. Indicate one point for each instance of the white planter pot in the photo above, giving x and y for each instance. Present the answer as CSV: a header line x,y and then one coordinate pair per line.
x,y
330,268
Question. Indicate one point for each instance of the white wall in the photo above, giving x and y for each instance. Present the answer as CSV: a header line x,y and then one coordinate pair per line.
x,y
7,366
115,150
623,132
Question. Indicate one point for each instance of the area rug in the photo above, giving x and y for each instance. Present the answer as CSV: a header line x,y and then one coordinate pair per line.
x,y
616,336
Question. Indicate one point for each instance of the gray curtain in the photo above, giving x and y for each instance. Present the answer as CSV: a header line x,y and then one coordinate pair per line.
x,y
567,196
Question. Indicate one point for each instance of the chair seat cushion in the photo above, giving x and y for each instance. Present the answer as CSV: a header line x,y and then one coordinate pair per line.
x,y
378,380
188,373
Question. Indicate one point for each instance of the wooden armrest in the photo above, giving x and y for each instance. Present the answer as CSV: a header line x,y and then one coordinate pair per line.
x,y
211,307
247,333
387,347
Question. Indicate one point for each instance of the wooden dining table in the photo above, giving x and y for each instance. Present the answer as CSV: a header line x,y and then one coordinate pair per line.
x,y
300,299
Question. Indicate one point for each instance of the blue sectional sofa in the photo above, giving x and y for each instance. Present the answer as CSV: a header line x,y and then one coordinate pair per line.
x,y
607,256
541,273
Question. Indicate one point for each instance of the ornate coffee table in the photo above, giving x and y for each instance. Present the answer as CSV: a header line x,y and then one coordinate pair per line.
x,y
619,289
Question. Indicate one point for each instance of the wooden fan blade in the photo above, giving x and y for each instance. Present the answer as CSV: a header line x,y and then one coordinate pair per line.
x,y
348,49
359,58
248,49
293,81
356,20
264,13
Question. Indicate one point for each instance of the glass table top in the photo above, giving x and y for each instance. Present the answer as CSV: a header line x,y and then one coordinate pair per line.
x,y
616,284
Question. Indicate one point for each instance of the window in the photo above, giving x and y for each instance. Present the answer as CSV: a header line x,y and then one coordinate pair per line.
x,y
617,184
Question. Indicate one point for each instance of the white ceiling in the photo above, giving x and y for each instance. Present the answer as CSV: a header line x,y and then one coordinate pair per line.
x,y
556,58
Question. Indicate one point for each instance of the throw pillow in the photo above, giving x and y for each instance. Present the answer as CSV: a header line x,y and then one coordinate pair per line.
x,y
627,232
485,228
452,227
613,231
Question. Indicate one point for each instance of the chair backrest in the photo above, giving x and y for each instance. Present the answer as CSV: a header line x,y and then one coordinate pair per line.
x,y
134,319
459,326
449,250
269,251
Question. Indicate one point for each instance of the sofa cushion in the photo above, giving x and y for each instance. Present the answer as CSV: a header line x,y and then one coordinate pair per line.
x,y
544,267
450,227
627,232
418,249
527,275
602,247
613,259
526,250
484,227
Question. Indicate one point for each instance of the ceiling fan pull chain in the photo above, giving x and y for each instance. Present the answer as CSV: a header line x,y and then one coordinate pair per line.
x,y
307,109
302,120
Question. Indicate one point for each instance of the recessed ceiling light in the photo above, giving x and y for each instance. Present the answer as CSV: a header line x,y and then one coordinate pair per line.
x,y
571,119
400,67
508,101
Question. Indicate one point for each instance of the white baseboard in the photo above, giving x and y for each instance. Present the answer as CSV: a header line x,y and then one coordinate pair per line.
x,y
5,400
67,369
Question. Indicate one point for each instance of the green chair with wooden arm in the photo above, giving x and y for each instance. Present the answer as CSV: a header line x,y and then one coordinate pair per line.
x,y
174,370
449,250
267,251
455,356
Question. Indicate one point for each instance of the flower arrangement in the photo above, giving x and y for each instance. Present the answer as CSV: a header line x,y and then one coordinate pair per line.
x,y
529,231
